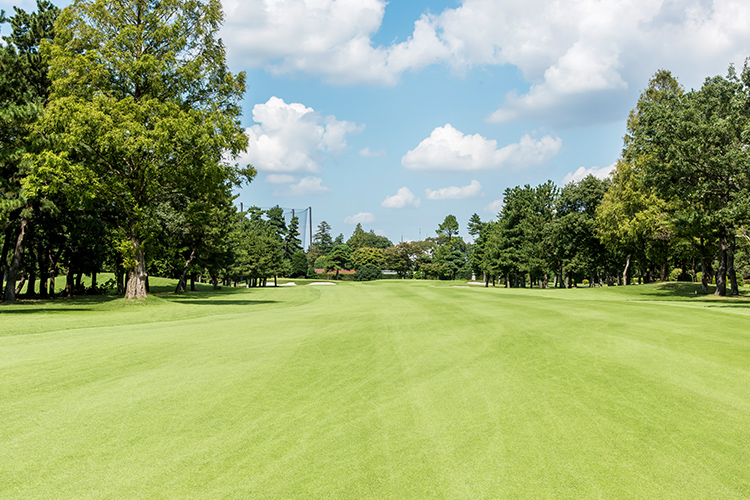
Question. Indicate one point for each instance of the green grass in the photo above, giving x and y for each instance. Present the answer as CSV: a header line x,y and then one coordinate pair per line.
x,y
378,390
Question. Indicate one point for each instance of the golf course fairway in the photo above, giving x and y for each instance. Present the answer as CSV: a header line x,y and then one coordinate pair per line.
x,y
389,389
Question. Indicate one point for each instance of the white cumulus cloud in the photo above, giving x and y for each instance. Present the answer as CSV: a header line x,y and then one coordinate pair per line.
x,y
494,207
280,179
404,197
360,218
368,153
449,149
293,137
455,193
305,187
577,54
582,172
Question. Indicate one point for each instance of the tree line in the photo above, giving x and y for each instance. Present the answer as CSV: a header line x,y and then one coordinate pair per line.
x,y
676,206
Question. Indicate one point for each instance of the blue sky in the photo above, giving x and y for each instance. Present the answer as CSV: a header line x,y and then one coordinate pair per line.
x,y
398,114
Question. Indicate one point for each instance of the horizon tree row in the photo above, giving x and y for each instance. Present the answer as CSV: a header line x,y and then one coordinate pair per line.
x,y
677,201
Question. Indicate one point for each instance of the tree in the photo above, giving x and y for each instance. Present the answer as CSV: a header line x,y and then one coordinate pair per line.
x,y
298,265
142,106
693,148
292,243
403,258
578,247
448,228
360,238
339,258
24,88
367,256
631,217
450,254
322,243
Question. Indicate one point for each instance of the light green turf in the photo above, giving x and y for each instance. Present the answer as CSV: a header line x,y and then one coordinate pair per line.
x,y
378,390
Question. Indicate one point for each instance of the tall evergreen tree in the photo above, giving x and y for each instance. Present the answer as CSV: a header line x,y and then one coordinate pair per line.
x,y
24,89
142,106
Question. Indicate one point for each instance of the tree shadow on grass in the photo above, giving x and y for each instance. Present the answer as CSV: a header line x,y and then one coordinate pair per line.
x,y
692,291
43,310
217,297
58,305
198,301
26,304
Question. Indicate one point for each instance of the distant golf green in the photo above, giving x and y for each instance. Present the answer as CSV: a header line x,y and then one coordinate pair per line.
x,y
388,389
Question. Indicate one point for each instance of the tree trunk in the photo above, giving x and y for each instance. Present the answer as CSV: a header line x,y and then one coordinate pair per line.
x,y
21,284
136,287
69,277
695,272
94,284
32,260
52,263
731,272
10,285
52,276
704,275
192,282
182,284
545,283
721,274
119,275
43,273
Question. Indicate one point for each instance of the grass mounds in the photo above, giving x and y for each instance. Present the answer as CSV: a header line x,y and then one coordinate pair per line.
x,y
383,389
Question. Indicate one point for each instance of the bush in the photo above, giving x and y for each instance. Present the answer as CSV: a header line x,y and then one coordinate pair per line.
x,y
368,273
585,282
464,273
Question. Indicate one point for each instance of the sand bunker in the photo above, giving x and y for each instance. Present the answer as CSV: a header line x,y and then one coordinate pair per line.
x,y
321,283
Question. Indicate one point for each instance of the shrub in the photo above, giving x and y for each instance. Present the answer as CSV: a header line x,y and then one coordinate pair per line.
x,y
368,273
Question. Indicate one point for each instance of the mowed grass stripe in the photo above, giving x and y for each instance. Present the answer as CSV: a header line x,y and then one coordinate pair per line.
x,y
380,390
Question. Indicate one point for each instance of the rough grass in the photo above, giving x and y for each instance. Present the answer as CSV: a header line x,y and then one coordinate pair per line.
x,y
378,390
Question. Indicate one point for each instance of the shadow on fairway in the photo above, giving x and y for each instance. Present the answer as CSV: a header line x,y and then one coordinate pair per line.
x,y
218,297
38,310
218,302
60,304
677,291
